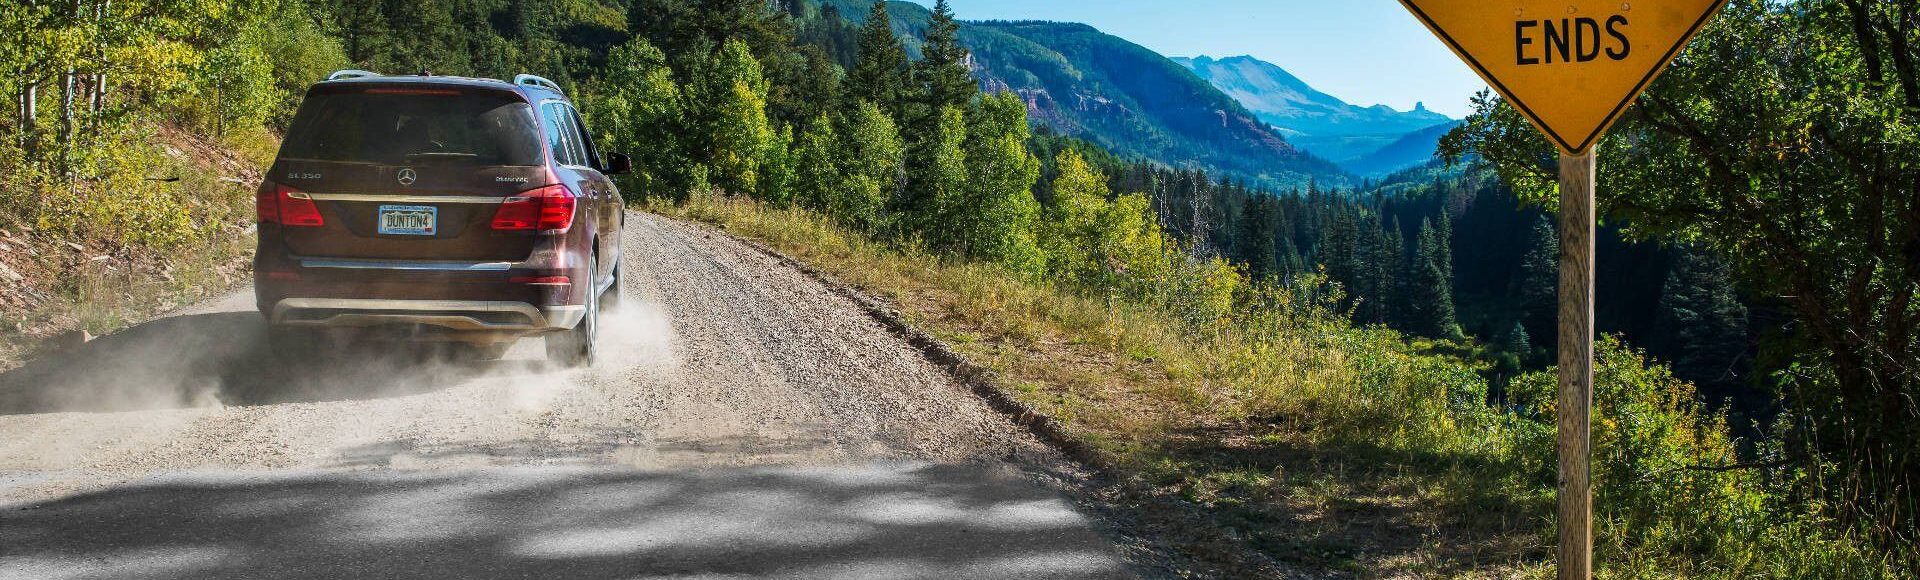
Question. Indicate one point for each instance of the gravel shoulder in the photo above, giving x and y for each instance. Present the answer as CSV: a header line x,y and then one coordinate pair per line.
x,y
728,369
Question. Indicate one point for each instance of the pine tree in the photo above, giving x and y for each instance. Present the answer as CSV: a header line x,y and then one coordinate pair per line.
x,y
1515,349
429,31
1443,252
1392,268
817,89
1253,243
1432,298
1538,287
1312,222
1334,249
1516,342
1699,304
879,74
939,81
1291,263
942,69
362,25
1368,305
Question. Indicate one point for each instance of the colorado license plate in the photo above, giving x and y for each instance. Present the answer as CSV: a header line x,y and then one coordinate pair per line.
x,y
409,220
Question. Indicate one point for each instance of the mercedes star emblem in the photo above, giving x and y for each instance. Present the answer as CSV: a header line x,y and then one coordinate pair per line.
x,y
407,176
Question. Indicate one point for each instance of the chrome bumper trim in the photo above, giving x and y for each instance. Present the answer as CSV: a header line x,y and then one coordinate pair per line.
x,y
450,314
407,265
406,198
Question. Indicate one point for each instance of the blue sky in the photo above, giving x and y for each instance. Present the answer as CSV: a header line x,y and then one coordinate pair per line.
x,y
1363,51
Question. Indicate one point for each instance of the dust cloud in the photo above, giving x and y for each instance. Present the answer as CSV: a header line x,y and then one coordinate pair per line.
x,y
637,337
221,359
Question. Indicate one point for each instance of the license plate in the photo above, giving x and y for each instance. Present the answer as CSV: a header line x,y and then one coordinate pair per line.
x,y
409,220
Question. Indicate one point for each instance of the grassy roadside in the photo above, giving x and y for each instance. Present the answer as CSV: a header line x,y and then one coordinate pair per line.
x,y
1173,410
1331,449
105,254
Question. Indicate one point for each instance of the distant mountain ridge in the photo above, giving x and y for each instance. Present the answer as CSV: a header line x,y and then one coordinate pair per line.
x,y
1280,98
1122,96
1365,140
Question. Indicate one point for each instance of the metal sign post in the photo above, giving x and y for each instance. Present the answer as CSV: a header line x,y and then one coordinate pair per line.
x,y
1571,67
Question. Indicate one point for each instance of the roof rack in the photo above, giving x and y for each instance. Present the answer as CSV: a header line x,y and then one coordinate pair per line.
x,y
351,74
538,82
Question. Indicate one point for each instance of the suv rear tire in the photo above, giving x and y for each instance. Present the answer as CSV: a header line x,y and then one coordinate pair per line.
x,y
575,347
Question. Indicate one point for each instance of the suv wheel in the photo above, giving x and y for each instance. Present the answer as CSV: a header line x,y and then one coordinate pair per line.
x,y
574,347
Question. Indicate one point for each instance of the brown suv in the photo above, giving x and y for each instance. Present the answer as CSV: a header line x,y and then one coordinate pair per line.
x,y
443,209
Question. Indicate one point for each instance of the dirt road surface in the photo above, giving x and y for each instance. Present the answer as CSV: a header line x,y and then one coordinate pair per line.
x,y
747,422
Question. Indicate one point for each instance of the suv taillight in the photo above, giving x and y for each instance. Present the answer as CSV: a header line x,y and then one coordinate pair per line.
x,y
279,204
548,208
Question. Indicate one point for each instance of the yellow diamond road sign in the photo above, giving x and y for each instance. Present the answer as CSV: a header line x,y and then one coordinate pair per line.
x,y
1571,66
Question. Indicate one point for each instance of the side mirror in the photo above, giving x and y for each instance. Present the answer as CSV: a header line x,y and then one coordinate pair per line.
x,y
619,163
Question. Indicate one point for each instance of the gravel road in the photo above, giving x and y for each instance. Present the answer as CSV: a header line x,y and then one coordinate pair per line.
x,y
748,421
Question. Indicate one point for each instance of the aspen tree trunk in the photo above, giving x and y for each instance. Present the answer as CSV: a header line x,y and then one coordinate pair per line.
x,y
100,76
67,87
29,105
28,110
66,117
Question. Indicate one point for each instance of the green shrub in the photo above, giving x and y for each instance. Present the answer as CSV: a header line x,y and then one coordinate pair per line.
x,y
138,196
1672,493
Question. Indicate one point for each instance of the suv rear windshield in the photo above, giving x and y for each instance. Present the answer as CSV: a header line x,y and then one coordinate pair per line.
x,y
410,126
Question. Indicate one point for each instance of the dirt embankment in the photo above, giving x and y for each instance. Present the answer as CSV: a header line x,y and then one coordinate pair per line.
x,y
55,286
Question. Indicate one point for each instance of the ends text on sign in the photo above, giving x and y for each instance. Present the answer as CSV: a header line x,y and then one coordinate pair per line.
x,y
1570,39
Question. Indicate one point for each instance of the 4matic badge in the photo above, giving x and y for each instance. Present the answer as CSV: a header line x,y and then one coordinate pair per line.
x,y
407,176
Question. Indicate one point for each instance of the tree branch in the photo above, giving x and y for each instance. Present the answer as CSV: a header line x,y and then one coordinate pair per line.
x,y
1869,44
1738,466
1903,58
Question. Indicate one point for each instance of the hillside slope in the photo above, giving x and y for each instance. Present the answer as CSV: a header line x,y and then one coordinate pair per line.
x,y
58,287
1121,96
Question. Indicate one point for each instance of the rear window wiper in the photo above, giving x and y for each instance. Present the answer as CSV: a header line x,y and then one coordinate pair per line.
x,y
442,155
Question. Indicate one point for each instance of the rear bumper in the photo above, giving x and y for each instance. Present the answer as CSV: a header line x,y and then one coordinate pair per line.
x,y
471,300
460,315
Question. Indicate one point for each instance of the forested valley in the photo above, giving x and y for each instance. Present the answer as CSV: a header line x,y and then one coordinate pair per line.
x,y
1760,254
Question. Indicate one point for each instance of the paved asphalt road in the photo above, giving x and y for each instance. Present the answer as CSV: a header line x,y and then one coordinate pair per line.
x,y
748,423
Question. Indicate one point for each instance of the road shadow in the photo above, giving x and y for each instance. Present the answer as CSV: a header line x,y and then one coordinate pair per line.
x,y
884,521
634,449
206,359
